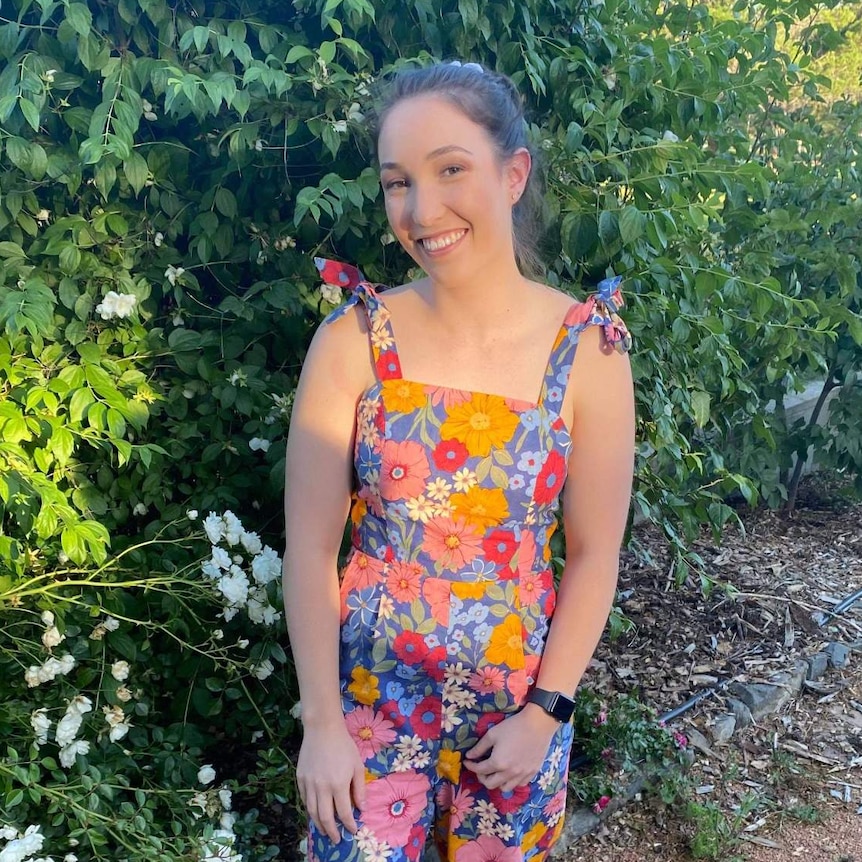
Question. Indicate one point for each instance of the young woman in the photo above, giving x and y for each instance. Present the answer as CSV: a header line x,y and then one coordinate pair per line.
x,y
449,418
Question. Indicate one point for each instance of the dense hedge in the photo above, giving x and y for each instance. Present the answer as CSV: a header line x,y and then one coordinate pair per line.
x,y
169,170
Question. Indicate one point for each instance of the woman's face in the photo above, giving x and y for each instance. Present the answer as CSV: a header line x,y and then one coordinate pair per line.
x,y
448,196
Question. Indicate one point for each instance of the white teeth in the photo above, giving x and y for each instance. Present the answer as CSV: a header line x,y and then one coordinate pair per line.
x,y
442,242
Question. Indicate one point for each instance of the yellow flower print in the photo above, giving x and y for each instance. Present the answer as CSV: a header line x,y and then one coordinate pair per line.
x,y
482,507
449,765
364,686
532,838
403,396
481,424
469,589
506,645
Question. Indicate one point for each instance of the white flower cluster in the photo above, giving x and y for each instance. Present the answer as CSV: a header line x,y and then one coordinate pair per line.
x,y
53,667
331,293
51,637
116,305
67,730
21,845
225,568
212,803
282,406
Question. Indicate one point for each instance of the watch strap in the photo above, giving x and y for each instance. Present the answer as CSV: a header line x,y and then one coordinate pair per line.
x,y
555,703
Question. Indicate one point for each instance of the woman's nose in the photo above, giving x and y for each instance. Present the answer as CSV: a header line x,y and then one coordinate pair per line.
x,y
425,204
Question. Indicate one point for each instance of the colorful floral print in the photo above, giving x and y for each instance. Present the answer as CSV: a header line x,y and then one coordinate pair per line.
x,y
447,597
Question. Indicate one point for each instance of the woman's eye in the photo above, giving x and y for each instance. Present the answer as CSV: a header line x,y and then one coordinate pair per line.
x,y
394,184
452,170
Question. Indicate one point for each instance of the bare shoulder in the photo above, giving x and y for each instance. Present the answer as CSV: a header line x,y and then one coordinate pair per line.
x,y
339,351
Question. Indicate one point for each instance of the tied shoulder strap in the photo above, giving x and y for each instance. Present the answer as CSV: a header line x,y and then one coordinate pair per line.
x,y
600,308
380,335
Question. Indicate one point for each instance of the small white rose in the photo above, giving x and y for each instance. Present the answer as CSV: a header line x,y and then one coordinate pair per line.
x,y
259,444
206,774
47,618
140,509
120,670
158,239
51,637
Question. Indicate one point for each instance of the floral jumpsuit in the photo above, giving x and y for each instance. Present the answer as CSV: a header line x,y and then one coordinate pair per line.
x,y
447,596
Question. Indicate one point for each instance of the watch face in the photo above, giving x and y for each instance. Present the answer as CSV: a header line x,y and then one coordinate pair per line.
x,y
562,708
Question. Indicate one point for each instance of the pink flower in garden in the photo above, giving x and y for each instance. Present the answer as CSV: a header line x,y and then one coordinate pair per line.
x,y
680,739
488,848
394,804
404,470
601,804
369,730
601,718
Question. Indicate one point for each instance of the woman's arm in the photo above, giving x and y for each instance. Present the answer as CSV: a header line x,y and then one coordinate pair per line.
x,y
317,497
596,501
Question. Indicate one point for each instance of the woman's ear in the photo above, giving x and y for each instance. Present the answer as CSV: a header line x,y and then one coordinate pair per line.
x,y
518,172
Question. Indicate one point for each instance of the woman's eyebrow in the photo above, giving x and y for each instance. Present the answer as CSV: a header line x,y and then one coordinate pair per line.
x,y
440,151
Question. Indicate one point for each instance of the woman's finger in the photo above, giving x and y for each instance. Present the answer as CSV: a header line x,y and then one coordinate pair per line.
x,y
344,810
326,817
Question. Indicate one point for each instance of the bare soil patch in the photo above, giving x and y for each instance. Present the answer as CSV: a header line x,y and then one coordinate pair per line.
x,y
791,786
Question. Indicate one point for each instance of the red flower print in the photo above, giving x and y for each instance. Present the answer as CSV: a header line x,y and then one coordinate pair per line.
x,y
450,455
415,843
510,801
488,848
410,647
427,717
394,805
391,712
434,663
499,546
551,478
487,721
404,470
387,364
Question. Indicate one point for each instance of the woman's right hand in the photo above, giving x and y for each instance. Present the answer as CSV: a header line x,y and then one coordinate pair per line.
x,y
331,777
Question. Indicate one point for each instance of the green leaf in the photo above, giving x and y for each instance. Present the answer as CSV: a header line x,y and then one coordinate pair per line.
x,y
80,17
632,224
11,250
70,259
225,202
136,170
700,402
30,112
608,227
80,401
19,153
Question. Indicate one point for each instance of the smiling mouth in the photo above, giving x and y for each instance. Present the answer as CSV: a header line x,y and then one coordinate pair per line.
x,y
438,242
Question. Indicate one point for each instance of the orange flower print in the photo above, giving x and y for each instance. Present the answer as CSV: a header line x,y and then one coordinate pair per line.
x,y
403,581
404,471
449,764
403,396
452,544
481,424
482,507
506,645
364,686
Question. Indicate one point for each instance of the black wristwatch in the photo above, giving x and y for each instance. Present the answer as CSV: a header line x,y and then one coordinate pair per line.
x,y
555,703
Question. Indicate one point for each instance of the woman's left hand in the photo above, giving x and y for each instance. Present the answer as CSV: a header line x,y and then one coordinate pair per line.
x,y
514,750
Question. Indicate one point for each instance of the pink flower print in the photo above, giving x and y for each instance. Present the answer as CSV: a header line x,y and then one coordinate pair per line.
x,y
460,805
437,592
404,471
488,848
453,544
531,588
526,555
394,804
369,730
447,397
361,571
516,682
403,581
488,680
556,804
